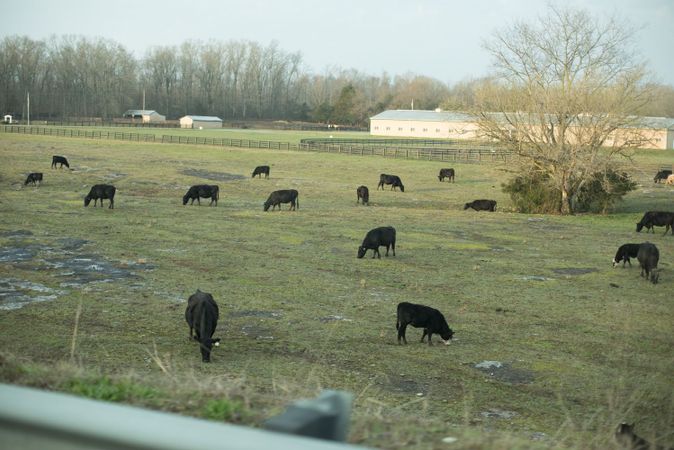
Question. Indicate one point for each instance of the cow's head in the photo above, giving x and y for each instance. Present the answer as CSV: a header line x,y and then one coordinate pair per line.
x,y
267,204
361,251
640,225
447,335
87,200
206,346
402,188
615,263
186,198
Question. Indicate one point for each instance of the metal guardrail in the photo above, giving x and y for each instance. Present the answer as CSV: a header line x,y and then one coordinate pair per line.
x,y
31,419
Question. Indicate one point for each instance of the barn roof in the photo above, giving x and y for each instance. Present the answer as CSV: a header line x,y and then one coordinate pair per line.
x,y
424,116
140,112
204,118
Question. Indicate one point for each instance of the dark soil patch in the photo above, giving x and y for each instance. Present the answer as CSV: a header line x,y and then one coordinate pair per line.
x,y
217,176
65,260
573,270
506,373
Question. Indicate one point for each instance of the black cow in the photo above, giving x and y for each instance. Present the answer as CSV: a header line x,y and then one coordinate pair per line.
x,y
446,173
101,192
363,194
421,316
393,180
283,196
202,317
59,160
661,175
376,238
628,439
481,205
624,253
648,256
211,191
653,219
260,170
35,178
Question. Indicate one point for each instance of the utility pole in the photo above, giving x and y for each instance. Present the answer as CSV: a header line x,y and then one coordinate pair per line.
x,y
143,99
28,106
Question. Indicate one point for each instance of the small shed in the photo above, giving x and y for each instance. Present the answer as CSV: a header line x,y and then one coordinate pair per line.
x,y
200,122
144,115
7,119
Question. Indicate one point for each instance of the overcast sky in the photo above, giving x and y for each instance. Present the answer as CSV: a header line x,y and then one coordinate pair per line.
x,y
438,38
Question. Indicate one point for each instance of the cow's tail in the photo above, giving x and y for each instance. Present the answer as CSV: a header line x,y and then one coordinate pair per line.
x,y
297,201
217,193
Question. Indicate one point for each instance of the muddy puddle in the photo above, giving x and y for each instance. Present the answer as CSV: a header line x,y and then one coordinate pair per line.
x,y
216,176
67,260
505,372
573,271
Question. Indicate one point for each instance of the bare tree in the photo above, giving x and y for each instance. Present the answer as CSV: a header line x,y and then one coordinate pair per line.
x,y
564,97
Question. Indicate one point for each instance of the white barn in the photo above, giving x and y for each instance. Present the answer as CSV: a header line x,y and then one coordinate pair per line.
x,y
200,122
145,115
657,132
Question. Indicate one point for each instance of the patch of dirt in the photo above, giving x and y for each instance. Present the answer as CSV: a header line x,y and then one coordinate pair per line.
x,y
65,260
217,176
505,372
573,270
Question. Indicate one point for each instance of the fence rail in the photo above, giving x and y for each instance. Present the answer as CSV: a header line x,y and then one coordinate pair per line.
x,y
389,148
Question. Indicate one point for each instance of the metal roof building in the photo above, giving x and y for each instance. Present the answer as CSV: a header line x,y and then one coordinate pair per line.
x,y
200,122
145,115
658,131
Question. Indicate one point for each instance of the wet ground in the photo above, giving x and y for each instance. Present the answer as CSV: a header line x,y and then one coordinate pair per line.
x,y
70,262
216,176
505,372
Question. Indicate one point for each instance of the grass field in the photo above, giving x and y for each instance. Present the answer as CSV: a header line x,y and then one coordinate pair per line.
x,y
583,346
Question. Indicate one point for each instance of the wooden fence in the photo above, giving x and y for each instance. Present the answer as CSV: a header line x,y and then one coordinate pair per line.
x,y
368,147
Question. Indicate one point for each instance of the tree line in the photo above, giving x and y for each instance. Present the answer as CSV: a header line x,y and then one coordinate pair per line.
x,y
77,77
74,76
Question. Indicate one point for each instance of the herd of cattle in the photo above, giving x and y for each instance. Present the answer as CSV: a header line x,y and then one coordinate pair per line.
x,y
202,310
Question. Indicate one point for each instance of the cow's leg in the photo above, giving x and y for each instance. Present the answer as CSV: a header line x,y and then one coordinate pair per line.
x,y
199,200
401,333
387,247
429,338
112,203
424,335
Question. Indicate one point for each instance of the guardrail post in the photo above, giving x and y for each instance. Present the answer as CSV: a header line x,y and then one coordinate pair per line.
x,y
326,417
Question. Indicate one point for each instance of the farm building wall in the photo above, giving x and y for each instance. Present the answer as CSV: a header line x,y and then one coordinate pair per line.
x,y
442,125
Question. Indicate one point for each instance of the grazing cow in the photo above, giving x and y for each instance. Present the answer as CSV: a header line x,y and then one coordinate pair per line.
x,y
376,238
211,191
202,317
628,439
446,173
421,316
624,253
260,170
661,175
481,205
35,178
363,194
59,160
393,180
648,256
101,192
283,196
653,219
670,180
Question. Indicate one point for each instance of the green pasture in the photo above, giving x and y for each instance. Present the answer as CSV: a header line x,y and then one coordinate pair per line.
x,y
583,345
